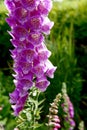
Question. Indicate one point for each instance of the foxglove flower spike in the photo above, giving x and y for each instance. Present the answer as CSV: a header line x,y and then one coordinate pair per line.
x,y
29,23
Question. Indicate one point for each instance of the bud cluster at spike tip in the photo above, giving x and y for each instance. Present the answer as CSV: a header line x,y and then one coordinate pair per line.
x,y
29,24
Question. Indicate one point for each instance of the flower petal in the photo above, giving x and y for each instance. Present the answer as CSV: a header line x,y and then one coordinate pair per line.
x,y
42,83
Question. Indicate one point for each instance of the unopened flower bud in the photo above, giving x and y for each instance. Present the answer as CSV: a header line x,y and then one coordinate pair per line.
x,y
53,111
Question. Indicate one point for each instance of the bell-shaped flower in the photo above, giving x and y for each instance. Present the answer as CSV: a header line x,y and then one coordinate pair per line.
x,y
42,83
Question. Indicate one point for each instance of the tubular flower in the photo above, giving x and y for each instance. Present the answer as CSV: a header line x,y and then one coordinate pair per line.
x,y
29,23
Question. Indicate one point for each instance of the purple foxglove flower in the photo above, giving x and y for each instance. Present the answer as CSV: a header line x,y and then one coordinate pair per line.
x,y
14,96
72,122
26,84
30,4
50,69
47,25
29,23
35,13
21,44
35,22
10,5
45,6
24,67
29,55
42,83
22,99
17,100
11,21
43,55
19,104
38,70
71,109
21,15
19,33
35,38
41,47
17,109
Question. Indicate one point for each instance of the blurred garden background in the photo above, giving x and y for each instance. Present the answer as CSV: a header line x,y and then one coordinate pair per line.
x,y
68,44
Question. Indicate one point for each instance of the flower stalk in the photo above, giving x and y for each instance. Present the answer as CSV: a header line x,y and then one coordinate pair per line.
x,y
28,118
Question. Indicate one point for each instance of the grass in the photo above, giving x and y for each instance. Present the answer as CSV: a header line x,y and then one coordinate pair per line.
x,y
2,7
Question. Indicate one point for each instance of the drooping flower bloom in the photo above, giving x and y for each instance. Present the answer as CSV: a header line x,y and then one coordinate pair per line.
x,y
29,24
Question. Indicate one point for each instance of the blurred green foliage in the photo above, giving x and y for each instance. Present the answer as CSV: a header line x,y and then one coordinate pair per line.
x,y
4,38
6,84
67,43
6,117
69,53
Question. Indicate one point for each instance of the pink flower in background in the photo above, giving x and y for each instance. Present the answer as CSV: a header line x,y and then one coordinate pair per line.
x,y
68,109
53,118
